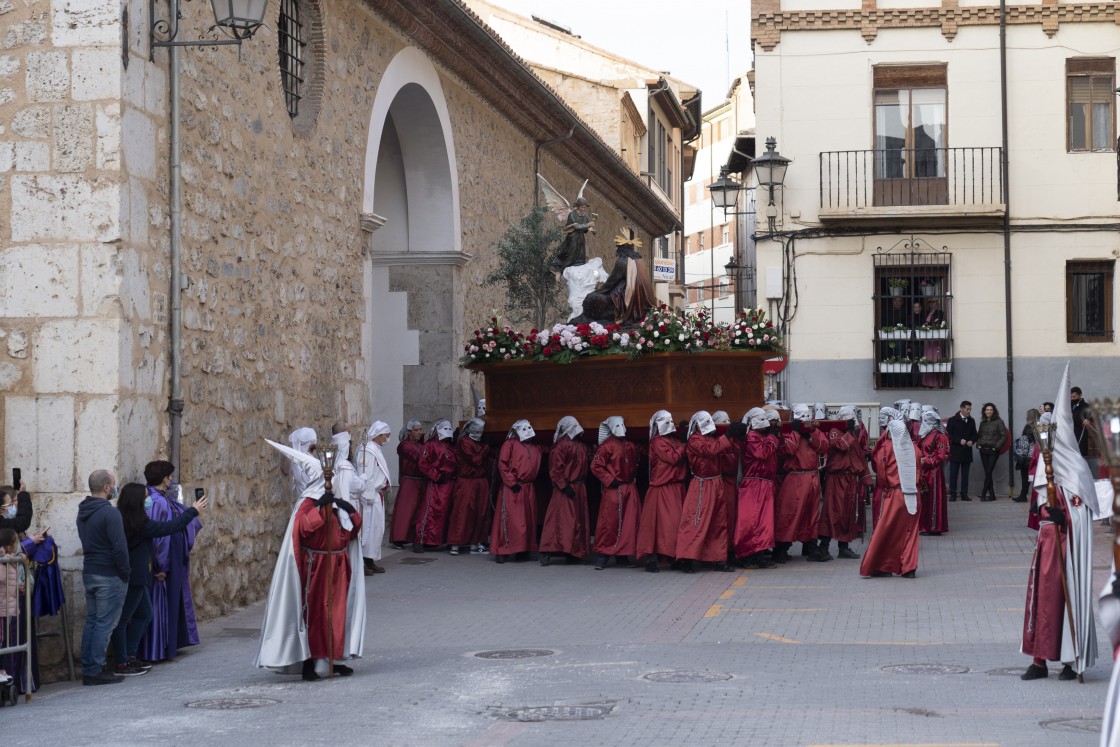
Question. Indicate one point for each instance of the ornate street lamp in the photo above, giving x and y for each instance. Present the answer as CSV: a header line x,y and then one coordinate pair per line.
x,y
770,168
725,191
238,19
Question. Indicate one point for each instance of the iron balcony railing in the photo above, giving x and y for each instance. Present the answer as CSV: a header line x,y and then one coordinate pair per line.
x,y
901,177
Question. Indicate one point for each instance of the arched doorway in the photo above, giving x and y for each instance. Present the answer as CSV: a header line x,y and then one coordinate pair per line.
x,y
411,216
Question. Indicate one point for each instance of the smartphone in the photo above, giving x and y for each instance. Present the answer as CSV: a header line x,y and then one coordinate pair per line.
x,y
198,493
17,476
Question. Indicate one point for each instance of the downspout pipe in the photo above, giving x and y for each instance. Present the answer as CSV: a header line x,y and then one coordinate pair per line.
x,y
175,330
537,161
1006,228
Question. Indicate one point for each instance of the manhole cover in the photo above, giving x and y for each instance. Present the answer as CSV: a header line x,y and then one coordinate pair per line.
x,y
1076,725
686,677
230,704
925,669
919,712
241,632
560,713
1008,671
416,561
515,653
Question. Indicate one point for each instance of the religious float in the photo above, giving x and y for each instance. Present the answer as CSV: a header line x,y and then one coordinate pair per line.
x,y
672,359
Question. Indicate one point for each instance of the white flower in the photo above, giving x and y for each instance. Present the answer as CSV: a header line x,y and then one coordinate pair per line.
x,y
656,333
682,336
624,340
501,350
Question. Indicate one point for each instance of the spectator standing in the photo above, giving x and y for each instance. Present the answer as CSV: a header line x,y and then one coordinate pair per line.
x,y
105,573
1080,409
990,440
1024,465
16,515
961,429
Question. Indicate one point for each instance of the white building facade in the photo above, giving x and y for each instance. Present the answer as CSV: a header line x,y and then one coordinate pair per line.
x,y
893,224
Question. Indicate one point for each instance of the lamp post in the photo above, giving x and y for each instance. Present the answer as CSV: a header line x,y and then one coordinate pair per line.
x,y
771,170
1044,434
732,267
327,454
239,19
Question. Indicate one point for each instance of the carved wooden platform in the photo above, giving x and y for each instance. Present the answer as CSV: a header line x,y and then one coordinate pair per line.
x,y
593,389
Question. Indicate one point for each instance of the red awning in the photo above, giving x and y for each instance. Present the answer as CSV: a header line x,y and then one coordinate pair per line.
x,y
772,366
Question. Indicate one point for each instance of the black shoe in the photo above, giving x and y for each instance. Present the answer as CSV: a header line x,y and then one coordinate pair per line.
x,y
952,497
724,567
878,574
651,566
1067,673
910,574
129,670
398,545
545,559
341,670
600,562
309,674
808,548
1034,672
1020,499
102,678
499,559
686,566
965,498
820,556
847,554
781,557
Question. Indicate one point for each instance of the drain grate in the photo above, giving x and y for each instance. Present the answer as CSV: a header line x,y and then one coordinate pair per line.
x,y
560,713
1007,671
416,561
925,669
230,704
515,653
1073,725
686,677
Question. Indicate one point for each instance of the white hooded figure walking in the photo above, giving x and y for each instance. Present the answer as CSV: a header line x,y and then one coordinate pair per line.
x,y
374,473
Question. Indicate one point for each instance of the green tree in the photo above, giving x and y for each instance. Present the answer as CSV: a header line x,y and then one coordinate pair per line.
x,y
533,292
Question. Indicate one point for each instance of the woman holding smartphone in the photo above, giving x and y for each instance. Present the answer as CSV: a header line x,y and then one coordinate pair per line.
x,y
139,531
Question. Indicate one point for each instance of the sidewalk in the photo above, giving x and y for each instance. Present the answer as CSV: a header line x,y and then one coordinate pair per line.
x,y
800,655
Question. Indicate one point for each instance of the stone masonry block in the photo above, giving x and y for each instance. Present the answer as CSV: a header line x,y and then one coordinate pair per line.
x,y
139,135
17,343
39,281
10,375
97,439
97,74
155,90
33,122
108,120
25,33
7,156
80,23
39,439
77,356
9,65
73,138
33,157
48,76
64,207
101,279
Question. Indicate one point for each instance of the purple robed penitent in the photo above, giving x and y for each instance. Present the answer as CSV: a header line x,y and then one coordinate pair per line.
x,y
173,625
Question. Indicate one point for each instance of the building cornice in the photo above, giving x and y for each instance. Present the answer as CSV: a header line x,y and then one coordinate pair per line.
x,y
457,39
769,20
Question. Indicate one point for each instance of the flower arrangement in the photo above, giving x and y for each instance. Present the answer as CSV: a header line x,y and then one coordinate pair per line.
x,y
905,360
898,282
934,326
895,328
662,330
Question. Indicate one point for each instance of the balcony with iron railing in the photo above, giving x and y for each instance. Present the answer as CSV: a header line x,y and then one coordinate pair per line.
x,y
911,185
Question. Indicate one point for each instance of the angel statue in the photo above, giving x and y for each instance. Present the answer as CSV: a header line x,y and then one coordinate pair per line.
x,y
576,219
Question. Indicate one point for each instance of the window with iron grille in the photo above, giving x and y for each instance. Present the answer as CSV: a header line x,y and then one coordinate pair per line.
x,y
1089,301
292,36
913,320
1090,92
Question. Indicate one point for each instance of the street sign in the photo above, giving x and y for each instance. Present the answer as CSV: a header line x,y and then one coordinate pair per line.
x,y
664,269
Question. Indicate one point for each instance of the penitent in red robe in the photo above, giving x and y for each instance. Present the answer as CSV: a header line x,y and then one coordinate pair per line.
x,y
567,521
661,510
729,465
702,533
515,516
470,496
797,508
402,527
933,514
439,465
843,487
620,508
1044,614
754,529
324,563
894,542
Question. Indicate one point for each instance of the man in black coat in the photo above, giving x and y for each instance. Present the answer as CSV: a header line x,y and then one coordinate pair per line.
x,y
962,436
1079,408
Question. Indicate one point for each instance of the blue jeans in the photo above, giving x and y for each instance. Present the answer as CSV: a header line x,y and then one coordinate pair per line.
x,y
135,616
964,467
104,598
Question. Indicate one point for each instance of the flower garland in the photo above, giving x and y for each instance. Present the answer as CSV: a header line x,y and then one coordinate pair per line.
x,y
662,330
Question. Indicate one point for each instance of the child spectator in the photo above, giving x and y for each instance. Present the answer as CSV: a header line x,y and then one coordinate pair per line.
x,y
12,579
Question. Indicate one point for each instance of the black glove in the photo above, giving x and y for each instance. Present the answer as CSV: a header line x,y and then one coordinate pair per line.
x,y
345,506
569,491
737,430
775,430
1056,515
851,426
614,484
326,500
515,488
795,425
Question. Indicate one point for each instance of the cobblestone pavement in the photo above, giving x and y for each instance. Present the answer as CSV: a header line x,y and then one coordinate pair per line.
x,y
807,654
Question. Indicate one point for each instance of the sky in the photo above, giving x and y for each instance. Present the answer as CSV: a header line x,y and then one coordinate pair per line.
x,y
697,42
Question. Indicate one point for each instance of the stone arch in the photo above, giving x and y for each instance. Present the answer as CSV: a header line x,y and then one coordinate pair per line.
x,y
410,213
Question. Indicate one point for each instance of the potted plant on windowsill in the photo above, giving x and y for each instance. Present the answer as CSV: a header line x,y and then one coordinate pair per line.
x,y
930,287
897,285
895,365
935,331
925,365
895,332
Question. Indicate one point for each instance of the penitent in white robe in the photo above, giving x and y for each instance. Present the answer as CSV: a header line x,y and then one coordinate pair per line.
x,y
374,473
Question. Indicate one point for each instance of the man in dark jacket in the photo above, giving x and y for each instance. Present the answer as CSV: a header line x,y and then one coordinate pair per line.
x,y
105,573
1079,409
18,515
961,429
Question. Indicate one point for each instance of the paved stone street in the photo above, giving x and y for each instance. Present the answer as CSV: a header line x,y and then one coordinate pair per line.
x,y
806,654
